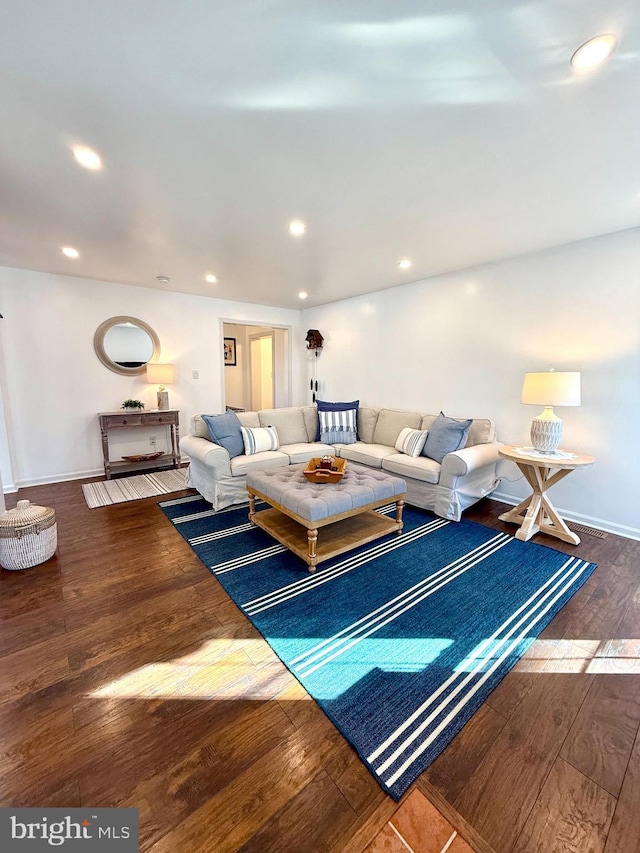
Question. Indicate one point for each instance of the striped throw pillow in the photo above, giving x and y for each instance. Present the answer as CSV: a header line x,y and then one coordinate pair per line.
x,y
259,439
338,427
411,441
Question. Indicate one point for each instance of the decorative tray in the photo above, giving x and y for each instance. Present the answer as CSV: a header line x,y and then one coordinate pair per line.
x,y
315,474
144,457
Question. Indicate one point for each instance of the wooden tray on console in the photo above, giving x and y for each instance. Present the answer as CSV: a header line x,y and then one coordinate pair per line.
x,y
315,474
144,457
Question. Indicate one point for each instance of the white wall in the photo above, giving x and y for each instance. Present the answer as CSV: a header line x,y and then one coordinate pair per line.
x,y
462,343
53,384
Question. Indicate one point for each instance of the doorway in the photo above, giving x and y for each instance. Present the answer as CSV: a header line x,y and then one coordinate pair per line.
x,y
261,371
258,376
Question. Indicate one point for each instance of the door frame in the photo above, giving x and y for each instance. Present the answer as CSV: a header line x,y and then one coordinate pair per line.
x,y
254,324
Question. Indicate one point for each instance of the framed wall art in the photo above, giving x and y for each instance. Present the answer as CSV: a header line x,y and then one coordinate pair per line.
x,y
230,352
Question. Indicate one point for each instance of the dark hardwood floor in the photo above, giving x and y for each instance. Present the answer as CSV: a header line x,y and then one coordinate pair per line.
x,y
129,678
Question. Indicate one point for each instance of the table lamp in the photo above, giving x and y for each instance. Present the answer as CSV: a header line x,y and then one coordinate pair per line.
x,y
549,389
161,375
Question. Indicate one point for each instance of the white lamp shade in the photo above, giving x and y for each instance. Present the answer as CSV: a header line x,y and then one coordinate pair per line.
x,y
551,389
161,374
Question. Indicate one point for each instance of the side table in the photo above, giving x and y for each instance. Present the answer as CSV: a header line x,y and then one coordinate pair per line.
x,y
536,514
126,420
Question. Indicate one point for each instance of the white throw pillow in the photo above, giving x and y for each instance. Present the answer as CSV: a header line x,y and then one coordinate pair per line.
x,y
259,439
411,441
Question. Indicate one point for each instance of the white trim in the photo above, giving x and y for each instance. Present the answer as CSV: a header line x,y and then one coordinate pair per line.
x,y
579,518
77,475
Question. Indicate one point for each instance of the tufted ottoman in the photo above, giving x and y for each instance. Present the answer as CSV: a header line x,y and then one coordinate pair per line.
x,y
346,509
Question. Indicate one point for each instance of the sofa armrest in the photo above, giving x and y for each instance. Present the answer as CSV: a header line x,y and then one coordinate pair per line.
x,y
470,459
210,454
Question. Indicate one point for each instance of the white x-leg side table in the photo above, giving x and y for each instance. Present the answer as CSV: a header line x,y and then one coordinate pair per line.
x,y
536,514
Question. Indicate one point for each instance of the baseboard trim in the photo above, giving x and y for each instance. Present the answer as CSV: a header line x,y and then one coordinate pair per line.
x,y
64,478
579,518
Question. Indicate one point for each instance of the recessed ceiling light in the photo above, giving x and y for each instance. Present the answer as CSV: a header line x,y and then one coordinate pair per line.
x,y
70,252
405,264
163,279
210,277
297,227
87,157
594,52
303,294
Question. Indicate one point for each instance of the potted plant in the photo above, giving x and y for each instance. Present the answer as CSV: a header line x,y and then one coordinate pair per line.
x,y
132,405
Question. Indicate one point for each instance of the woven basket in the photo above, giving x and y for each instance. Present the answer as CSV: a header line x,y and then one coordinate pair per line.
x,y
28,536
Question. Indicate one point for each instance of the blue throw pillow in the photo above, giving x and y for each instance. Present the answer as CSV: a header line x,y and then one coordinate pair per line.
x,y
334,407
445,436
225,431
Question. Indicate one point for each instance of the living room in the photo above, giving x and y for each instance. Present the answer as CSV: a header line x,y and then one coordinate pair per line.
x,y
462,228
460,343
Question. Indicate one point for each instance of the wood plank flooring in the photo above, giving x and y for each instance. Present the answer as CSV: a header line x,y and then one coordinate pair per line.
x,y
130,678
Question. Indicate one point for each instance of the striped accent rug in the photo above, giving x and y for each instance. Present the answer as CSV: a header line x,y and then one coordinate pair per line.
x,y
124,489
399,641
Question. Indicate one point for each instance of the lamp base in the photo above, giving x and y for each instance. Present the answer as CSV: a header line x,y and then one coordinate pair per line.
x,y
546,431
163,400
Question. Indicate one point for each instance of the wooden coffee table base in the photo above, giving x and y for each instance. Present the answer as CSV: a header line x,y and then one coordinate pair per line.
x,y
338,534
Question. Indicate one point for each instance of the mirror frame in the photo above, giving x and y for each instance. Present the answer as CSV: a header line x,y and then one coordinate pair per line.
x,y
98,345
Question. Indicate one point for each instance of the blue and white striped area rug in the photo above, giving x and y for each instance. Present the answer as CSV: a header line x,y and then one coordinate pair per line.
x,y
399,641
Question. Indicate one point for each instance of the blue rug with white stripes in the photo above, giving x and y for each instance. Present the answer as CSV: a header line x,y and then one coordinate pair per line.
x,y
399,641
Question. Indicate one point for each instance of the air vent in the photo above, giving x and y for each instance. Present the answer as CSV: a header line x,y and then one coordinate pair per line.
x,y
588,531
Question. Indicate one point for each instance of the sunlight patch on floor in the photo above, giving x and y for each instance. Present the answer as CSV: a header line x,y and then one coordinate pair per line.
x,y
614,657
219,669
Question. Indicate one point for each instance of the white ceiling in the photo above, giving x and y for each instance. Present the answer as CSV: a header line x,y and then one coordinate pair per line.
x,y
451,132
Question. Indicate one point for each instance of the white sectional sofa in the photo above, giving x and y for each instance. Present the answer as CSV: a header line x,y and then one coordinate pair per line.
x,y
464,477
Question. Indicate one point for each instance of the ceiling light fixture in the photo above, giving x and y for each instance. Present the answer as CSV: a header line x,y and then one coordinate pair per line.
x,y
297,227
87,157
70,252
405,264
210,277
163,279
303,294
594,52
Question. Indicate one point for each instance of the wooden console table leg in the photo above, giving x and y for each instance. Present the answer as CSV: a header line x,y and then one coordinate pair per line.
x,y
399,508
312,559
252,507
105,454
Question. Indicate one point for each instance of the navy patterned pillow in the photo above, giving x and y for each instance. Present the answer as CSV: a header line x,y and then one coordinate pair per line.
x,y
323,406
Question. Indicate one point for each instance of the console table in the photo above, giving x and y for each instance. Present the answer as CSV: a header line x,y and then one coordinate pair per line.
x,y
536,514
135,420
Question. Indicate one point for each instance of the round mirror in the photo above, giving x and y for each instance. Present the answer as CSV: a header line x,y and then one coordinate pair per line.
x,y
125,345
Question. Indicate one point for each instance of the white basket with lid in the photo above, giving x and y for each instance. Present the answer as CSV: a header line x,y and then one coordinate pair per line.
x,y
28,536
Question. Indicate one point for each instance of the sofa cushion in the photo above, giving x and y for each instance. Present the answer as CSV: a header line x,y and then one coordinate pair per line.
x,y
303,452
418,468
249,419
225,431
337,426
411,441
259,439
368,454
324,406
259,461
310,415
288,421
445,436
367,419
389,424
480,432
